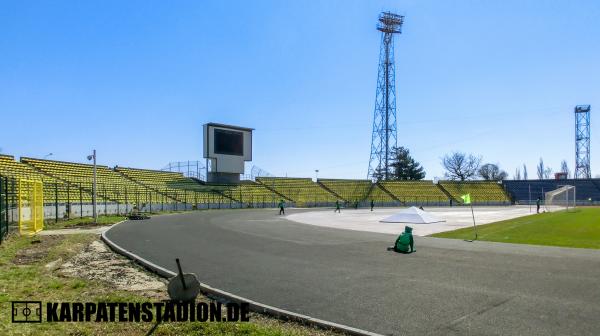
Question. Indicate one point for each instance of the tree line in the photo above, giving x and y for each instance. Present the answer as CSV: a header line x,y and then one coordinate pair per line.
x,y
459,166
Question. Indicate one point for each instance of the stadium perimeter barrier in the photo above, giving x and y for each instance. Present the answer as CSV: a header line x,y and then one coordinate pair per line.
x,y
67,203
5,202
526,192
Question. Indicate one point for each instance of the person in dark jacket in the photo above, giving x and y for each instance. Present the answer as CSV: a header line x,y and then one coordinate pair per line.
x,y
281,207
372,205
537,204
337,206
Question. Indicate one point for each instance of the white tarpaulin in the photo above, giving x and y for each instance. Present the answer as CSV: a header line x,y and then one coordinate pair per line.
x,y
412,215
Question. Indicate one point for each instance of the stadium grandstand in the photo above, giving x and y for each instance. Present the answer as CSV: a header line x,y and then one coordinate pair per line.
x,y
482,192
56,190
301,191
111,186
350,191
382,197
416,192
251,194
172,185
68,190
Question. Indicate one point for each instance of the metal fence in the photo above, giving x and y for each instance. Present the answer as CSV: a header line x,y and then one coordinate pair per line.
x,y
4,201
74,200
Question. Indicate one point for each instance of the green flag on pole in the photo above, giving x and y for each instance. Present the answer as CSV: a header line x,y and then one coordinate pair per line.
x,y
466,198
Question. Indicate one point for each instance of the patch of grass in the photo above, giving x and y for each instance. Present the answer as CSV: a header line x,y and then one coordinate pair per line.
x,y
580,228
32,280
50,224
82,222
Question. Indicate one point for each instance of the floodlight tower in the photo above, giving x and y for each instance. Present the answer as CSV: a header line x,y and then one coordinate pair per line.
x,y
384,135
582,141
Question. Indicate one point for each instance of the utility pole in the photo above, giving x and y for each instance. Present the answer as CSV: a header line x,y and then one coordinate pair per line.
x,y
94,189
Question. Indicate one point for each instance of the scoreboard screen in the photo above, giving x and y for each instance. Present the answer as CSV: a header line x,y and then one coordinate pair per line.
x,y
228,142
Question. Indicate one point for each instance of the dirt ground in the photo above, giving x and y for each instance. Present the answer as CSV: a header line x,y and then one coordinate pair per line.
x,y
97,262
37,250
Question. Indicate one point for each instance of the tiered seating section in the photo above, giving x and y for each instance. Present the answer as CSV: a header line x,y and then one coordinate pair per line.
x,y
380,196
482,192
172,185
67,182
111,186
348,190
249,192
415,191
55,189
302,191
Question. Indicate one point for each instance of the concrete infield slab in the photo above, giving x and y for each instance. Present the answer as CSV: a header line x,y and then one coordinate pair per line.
x,y
448,287
366,220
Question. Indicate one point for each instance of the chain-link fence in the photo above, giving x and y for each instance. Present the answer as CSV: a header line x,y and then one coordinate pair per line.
x,y
3,208
9,215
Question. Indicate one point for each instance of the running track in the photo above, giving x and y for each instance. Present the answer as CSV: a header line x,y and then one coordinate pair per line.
x,y
448,287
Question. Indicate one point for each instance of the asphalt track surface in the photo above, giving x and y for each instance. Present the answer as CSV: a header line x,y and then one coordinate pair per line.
x,y
448,287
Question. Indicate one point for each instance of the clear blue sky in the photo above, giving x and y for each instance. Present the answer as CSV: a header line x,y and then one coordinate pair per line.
x,y
137,79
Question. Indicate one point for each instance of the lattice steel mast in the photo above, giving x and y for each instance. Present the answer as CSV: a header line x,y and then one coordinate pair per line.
x,y
384,135
582,141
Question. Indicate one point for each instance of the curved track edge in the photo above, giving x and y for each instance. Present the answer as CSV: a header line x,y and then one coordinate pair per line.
x,y
221,295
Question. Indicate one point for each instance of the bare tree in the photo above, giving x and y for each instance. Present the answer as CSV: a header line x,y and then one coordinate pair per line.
x,y
460,166
547,172
492,172
517,174
564,168
524,172
540,169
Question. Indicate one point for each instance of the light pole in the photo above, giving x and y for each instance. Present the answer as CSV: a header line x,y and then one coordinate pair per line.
x,y
316,175
48,155
93,157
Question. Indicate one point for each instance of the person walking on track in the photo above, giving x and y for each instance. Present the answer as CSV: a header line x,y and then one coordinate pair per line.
x,y
337,206
372,205
281,207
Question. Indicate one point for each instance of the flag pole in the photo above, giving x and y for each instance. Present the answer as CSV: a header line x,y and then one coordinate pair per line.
x,y
467,200
474,226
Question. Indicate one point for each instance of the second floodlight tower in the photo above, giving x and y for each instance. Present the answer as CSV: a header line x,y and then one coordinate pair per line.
x,y
582,141
384,136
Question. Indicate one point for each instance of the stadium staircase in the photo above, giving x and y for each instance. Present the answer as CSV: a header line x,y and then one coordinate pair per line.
x,y
450,197
392,196
173,185
353,192
144,186
69,184
110,185
380,196
331,191
251,193
273,190
197,180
